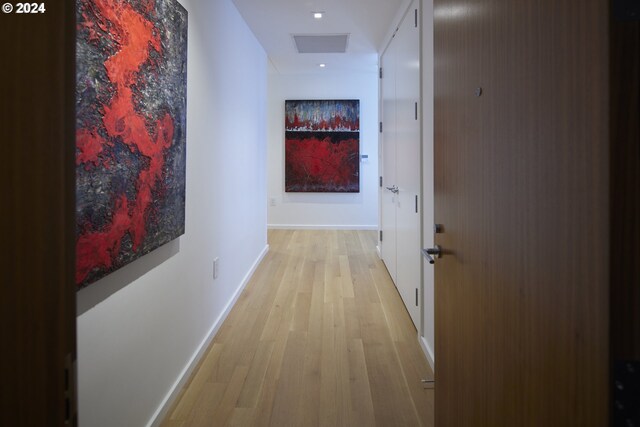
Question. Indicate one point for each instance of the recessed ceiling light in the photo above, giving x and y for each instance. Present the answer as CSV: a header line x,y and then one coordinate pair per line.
x,y
322,65
318,15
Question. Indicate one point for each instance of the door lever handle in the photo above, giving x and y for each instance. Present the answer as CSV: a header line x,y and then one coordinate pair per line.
x,y
393,189
431,254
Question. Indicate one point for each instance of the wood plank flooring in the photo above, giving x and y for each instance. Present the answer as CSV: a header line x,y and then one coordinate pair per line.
x,y
319,337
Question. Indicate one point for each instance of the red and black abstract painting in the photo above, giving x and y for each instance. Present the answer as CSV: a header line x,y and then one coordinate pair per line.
x,y
131,99
322,146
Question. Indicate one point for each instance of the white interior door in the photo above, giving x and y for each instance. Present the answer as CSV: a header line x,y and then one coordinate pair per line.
x,y
428,278
387,191
408,160
401,157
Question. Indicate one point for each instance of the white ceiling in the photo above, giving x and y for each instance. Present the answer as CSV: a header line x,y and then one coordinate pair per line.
x,y
367,22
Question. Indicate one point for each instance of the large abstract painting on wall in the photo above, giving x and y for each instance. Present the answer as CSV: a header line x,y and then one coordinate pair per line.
x,y
322,146
131,90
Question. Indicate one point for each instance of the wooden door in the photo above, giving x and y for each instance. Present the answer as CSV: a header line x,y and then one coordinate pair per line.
x,y
521,189
37,299
408,157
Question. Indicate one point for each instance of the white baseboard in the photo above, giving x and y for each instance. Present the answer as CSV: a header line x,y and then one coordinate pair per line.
x,y
168,401
321,227
379,251
428,352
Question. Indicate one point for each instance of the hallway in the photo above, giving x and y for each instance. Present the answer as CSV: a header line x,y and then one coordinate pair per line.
x,y
318,337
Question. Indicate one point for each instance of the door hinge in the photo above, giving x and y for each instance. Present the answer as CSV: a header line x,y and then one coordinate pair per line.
x,y
416,110
70,411
381,235
380,71
415,14
416,203
416,297
380,127
626,392
380,181
428,383
625,10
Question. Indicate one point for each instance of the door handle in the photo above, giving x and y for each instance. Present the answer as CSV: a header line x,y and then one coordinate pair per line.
x,y
431,254
393,189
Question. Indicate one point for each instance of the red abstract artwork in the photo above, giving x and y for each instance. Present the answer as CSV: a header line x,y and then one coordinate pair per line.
x,y
322,146
130,131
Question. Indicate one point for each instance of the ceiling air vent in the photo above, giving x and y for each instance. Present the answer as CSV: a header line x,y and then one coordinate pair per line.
x,y
330,43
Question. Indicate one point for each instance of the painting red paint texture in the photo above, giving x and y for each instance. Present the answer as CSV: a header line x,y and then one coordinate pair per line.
x,y
322,146
131,89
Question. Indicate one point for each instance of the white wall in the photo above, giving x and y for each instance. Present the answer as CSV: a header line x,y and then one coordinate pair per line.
x,y
428,333
137,342
323,210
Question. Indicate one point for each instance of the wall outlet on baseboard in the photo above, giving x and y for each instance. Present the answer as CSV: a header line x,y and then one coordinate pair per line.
x,y
216,267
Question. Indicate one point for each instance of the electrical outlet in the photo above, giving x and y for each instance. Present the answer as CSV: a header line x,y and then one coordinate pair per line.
x,y
216,267
272,201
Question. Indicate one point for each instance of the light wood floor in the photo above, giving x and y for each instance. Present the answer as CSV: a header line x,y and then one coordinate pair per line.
x,y
319,337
